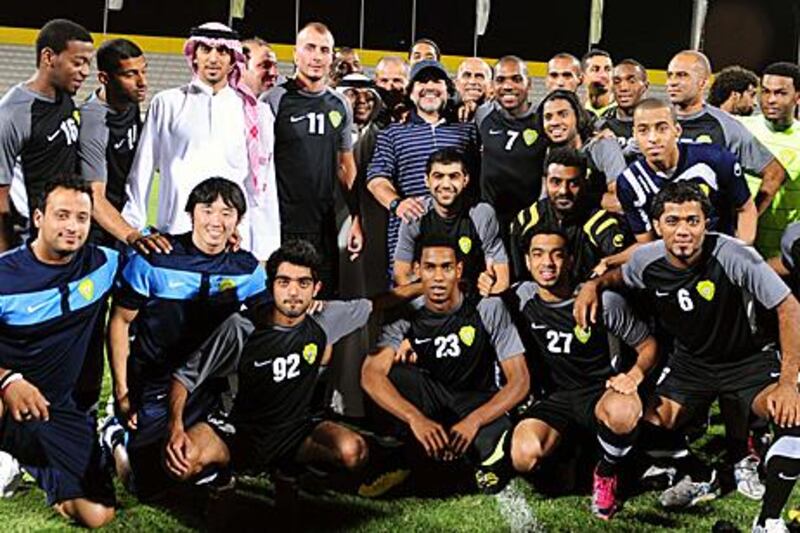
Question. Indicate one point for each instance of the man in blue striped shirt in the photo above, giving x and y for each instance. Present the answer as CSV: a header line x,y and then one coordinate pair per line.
x,y
396,174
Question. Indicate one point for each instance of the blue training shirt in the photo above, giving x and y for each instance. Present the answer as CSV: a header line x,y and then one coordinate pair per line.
x,y
48,313
183,296
716,170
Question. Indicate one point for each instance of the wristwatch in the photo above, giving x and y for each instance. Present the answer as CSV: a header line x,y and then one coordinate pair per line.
x,y
393,205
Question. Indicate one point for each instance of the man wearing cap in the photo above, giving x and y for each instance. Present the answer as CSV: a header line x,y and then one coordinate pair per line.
x,y
212,126
396,173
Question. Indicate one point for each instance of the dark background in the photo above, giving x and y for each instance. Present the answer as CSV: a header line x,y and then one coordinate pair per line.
x,y
751,33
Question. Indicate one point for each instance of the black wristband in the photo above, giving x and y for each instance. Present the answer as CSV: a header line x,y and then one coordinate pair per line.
x,y
393,205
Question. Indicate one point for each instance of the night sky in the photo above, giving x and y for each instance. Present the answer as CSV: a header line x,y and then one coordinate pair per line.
x,y
752,33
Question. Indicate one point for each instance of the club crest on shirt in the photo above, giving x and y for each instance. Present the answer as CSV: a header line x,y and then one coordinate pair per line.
x,y
706,289
530,136
335,117
226,285
467,335
582,334
76,114
310,353
86,289
465,244
618,240
704,139
705,188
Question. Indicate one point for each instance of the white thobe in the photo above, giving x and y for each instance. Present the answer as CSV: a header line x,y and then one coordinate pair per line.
x,y
192,134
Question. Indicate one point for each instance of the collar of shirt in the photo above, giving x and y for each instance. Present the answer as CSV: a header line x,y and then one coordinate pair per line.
x,y
196,85
502,110
414,118
702,111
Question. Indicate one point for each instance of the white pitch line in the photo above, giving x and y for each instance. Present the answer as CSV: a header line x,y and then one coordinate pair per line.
x,y
515,509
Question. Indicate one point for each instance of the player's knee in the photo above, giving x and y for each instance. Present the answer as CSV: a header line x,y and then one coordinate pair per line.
x,y
620,415
91,514
526,451
353,452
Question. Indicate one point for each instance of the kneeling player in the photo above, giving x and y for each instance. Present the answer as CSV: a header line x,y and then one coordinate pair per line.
x,y
51,293
276,350
449,398
700,286
582,386
165,308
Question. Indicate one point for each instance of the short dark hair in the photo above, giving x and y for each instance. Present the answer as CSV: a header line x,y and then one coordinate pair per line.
x,y
566,156
733,79
112,52
57,34
437,240
70,182
542,229
680,192
297,252
596,52
446,156
785,70
429,42
657,103
638,66
584,121
207,191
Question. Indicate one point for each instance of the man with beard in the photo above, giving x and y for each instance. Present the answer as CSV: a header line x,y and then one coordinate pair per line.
x,y
396,174
39,125
630,86
584,386
563,72
734,91
688,76
473,226
701,286
512,158
447,397
597,68
596,239
213,125
51,294
566,123
665,160
391,78
314,154
779,130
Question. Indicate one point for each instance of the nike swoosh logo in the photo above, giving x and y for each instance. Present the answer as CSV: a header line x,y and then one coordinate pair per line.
x,y
53,135
297,119
175,284
422,341
534,325
661,294
118,145
160,396
495,132
774,374
787,478
259,364
34,308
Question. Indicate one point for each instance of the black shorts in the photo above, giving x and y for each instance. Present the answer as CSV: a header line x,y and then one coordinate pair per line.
x,y
63,454
258,449
695,385
566,409
446,406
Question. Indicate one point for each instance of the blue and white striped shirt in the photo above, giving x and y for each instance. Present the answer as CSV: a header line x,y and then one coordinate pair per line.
x,y
402,151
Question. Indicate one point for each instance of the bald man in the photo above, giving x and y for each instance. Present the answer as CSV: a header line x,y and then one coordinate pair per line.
x,y
473,80
564,71
688,78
